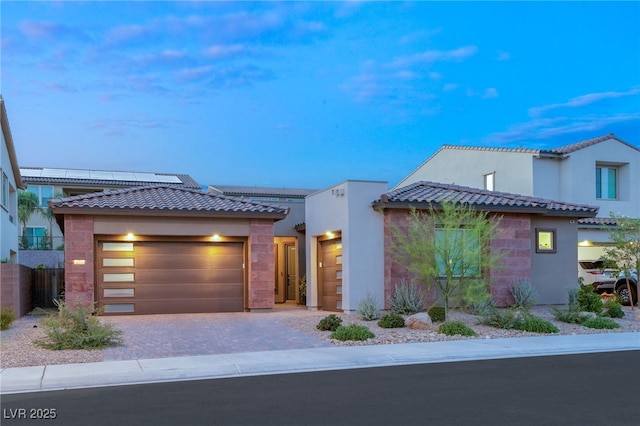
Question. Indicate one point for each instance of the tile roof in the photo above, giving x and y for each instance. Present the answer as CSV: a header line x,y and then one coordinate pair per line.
x,y
433,193
599,221
258,191
165,200
567,149
103,178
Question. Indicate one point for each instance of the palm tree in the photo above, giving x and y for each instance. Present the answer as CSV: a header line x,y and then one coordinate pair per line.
x,y
27,206
48,214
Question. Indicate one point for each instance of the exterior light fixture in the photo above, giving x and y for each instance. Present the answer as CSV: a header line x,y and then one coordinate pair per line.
x,y
585,243
330,234
130,237
79,261
216,237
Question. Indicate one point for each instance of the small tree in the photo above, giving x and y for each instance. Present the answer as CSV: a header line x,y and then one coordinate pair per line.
x,y
48,214
446,248
27,206
625,253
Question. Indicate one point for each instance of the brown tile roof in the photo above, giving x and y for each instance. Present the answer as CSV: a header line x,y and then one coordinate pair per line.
x,y
53,176
425,194
258,191
165,200
567,149
599,221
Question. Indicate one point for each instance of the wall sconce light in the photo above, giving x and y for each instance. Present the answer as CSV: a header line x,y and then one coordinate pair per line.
x,y
130,237
585,243
216,237
330,234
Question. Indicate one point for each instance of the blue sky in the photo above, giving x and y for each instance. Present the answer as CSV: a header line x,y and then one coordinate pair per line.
x,y
298,94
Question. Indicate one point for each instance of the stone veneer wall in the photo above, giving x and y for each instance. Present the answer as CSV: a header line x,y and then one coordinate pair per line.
x,y
261,268
513,242
79,279
15,288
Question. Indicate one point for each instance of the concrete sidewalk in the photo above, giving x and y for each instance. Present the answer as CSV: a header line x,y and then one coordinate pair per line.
x,y
115,373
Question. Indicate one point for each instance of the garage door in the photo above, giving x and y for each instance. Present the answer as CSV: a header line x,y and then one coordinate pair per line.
x,y
169,277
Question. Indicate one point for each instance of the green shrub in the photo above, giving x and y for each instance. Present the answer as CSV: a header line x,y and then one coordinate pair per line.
x,y
391,321
524,294
452,328
570,316
588,300
613,308
500,318
77,328
352,332
535,324
329,323
483,307
368,308
601,323
6,318
406,299
436,313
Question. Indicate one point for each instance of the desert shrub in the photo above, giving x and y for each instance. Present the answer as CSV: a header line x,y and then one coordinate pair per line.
x,y
500,318
600,323
368,308
588,300
436,313
452,328
352,332
612,308
6,318
329,323
570,316
483,307
524,294
535,324
391,321
77,328
406,299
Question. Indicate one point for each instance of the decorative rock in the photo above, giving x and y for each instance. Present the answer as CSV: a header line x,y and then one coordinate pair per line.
x,y
419,321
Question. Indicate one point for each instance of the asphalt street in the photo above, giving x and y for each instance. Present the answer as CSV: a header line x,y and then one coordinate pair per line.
x,y
584,389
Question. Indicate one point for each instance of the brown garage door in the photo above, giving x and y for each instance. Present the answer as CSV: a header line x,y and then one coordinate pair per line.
x,y
169,277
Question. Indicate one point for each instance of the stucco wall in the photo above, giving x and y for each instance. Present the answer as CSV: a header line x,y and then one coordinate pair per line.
x,y
346,208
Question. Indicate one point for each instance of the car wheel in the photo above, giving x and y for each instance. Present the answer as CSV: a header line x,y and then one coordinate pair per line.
x,y
625,296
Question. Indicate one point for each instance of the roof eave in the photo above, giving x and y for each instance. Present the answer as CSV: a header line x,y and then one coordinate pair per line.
x,y
101,211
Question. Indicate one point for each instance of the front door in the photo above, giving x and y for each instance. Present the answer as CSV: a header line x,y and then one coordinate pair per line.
x,y
290,261
330,275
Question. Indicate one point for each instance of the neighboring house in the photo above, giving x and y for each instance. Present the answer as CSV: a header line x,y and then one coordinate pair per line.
x,y
11,182
348,229
168,249
603,172
289,245
43,235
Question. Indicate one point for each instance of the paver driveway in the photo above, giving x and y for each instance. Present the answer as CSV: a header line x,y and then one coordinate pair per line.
x,y
161,336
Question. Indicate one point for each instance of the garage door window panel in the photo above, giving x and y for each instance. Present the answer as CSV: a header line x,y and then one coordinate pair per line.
x,y
123,262
118,292
113,278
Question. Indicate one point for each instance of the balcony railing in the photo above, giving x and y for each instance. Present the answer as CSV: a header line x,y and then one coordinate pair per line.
x,y
26,242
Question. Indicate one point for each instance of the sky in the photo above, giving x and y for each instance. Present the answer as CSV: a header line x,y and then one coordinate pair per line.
x,y
309,94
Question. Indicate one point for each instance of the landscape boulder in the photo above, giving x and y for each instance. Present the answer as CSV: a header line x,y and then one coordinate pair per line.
x,y
419,321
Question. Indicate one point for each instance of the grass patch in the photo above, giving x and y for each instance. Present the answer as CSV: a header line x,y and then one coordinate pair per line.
x,y
601,323
6,318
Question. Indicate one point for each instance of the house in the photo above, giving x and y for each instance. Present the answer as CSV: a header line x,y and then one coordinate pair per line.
x,y
168,249
14,278
44,240
11,182
603,171
289,241
348,231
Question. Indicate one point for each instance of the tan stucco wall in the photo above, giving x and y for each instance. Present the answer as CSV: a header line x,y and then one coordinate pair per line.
x,y
114,225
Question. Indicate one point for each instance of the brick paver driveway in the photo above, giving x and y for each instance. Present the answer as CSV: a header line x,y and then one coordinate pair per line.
x,y
161,336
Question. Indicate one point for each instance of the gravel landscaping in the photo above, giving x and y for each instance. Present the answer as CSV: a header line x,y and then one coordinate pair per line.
x,y
18,350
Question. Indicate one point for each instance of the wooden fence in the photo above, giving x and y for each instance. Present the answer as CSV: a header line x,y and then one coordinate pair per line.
x,y
46,285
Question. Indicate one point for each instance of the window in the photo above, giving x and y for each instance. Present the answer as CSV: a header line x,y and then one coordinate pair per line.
x,y
457,252
5,191
606,182
545,240
489,181
35,238
44,193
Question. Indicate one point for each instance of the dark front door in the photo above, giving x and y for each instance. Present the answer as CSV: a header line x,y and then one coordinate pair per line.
x,y
330,274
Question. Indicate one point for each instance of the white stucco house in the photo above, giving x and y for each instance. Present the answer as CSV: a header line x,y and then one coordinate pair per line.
x,y
602,172
11,181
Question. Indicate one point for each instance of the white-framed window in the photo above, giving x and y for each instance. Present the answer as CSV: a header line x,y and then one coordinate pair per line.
x,y
606,182
44,193
458,252
490,181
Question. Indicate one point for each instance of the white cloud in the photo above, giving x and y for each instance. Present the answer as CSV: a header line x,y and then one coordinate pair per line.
x,y
449,87
432,56
581,101
490,92
503,56
222,51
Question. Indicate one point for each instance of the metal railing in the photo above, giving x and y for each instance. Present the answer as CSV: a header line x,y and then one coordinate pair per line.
x,y
26,242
